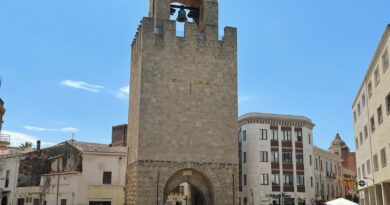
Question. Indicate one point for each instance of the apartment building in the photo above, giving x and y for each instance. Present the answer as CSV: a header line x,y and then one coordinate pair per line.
x,y
371,115
276,159
328,175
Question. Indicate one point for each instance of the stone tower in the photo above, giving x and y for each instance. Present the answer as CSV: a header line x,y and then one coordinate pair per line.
x,y
183,108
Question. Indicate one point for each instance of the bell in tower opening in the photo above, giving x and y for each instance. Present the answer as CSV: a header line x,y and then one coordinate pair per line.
x,y
183,122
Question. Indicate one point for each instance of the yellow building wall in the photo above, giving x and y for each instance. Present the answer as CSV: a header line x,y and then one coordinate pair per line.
x,y
115,194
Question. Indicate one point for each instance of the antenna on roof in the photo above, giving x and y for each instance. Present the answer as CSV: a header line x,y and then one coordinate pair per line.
x,y
72,136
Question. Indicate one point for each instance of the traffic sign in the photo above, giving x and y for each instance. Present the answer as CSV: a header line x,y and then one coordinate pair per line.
x,y
362,183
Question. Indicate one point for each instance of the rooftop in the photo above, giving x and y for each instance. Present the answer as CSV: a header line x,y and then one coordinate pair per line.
x,y
86,147
274,116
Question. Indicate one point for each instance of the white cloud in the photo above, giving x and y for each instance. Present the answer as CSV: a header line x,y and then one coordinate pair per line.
x,y
33,128
69,129
82,85
123,92
17,138
41,129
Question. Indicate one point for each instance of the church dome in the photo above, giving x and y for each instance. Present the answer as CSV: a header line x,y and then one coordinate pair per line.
x,y
338,142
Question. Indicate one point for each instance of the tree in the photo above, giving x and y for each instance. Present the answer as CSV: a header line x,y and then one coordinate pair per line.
x,y
25,145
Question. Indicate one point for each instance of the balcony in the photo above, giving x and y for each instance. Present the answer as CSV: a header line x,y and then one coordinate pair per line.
x,y
299,145
4,140
275,165
288,188
286,143
301,188
275,187
274,143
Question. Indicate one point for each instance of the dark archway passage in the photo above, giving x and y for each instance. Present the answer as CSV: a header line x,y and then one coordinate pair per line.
x,y
188,187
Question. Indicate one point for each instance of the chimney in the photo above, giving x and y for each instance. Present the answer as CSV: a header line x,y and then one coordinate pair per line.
x,y
119,135
39,145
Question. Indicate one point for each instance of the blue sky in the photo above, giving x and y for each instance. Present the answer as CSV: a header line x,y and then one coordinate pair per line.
x,y
65,64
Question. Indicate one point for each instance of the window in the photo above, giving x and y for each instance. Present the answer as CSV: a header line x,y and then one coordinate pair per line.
x,y
361,138
287,157
388,104
263,156
359,175
264,180
7,179
321,166
288,180
286,135
107,177
245,179
311,181
369,89
363,100
372,121
363,171
368,167
299,136
275,179
376,166
380,115
309,138
385,61
365,132
63,201
383,158
35,201
358,109
310,160
316,167
354,116
275,157
274,134
20,201
263,134
299,158
376,77
300,180
244,135
244,155
357,143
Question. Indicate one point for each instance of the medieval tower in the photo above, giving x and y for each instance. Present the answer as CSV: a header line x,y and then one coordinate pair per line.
x,y
183,107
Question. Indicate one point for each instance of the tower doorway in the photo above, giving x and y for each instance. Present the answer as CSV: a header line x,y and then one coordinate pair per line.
x,y
188,187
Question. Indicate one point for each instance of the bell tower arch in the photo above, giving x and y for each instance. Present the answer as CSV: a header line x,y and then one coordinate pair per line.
x,y
183,106
160,10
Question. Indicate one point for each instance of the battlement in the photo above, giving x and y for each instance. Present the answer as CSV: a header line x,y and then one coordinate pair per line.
x,y
168,33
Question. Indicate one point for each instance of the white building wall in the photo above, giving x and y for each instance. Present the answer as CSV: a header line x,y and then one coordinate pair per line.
x,y
254,169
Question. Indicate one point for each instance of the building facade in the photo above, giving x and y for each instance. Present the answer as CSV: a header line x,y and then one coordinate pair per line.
x,y
341,149
328,175
69,173
4,139
371,116
183,106
276,159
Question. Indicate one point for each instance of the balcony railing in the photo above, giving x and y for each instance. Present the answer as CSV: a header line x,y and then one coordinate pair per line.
x,y
5,139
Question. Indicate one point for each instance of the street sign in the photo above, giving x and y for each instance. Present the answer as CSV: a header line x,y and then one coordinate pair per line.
x,y
362,183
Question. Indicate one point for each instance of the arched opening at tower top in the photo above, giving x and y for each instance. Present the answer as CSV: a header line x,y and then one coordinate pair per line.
x,y
188,187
